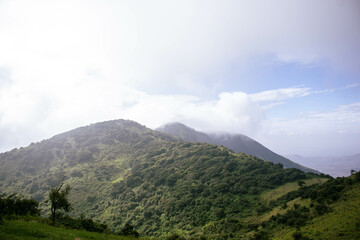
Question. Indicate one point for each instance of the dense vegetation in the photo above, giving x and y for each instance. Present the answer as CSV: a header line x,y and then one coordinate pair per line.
x,y
189,185
235,142
134,179
324,201
17,205
19,208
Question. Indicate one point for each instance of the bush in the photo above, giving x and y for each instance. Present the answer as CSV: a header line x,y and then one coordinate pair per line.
x,y
15,205
129,230
299,236
86,224
174,236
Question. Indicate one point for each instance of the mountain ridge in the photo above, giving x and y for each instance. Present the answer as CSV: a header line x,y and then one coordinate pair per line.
x,y
235,142
122,172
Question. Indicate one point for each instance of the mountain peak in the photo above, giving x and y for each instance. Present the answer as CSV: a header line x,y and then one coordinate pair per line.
x,y
184,132
175,125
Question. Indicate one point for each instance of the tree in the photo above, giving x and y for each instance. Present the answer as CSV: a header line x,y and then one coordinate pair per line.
x,y
58,200
301,183
129,230
18,205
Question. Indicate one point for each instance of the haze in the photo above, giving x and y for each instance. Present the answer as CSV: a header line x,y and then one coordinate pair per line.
x,y
286,73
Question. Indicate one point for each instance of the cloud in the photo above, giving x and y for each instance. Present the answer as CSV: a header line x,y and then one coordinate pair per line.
x,y
276,97
343,118
34,114
230,112
315,133
64,64
280,94
150,46
331,90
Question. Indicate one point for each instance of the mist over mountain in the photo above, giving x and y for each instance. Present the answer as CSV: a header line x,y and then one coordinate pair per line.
x,y
235,142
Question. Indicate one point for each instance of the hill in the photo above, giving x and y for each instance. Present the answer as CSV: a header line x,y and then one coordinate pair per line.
x,y
321,211
236,142
122,172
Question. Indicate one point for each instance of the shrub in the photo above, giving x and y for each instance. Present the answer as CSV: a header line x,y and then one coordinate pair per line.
x,y
86,224
15,205
128,230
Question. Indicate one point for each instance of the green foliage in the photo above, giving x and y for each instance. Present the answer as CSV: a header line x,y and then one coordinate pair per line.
x,y
86,224
357,176
296,217
325,193
17,205
174,236
298,236
59,200
335,201
236,142
128,230
341,222
260,235
301,183
122,172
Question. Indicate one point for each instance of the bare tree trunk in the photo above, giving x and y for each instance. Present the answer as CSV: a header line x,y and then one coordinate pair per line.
x,y
53,210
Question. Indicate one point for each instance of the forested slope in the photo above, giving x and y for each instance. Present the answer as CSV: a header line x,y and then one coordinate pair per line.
x,y
235,142
122,172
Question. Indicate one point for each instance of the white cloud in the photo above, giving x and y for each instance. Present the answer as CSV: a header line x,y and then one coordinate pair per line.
x,y
276,97
149,45
29,113
280,94
64,64
315,133
231,112
343,118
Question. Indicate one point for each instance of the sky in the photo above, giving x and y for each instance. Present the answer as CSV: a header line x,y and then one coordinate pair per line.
x,y
285,73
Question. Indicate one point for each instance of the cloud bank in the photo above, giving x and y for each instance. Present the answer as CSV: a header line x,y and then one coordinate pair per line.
x,y
64,64
34,115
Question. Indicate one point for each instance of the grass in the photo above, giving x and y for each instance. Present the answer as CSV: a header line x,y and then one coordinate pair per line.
x,y
341,223
280,210
288,187
34,229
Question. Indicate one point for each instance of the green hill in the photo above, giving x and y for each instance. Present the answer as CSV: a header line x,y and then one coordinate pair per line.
x,y
235,142
122,172
327,211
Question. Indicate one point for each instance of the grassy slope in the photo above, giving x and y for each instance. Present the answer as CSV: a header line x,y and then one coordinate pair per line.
x,y
278,192
34,229
288,187
343,222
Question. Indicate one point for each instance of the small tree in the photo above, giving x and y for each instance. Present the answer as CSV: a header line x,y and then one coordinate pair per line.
x,y
58,200
301,183
129,230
